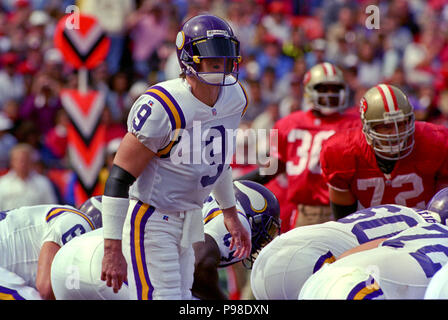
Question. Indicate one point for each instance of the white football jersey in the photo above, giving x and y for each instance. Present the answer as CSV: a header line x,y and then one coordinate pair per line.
x,y
23,231
399,268
79,262
194,142
283,266
438,286
76,271
13,287
214,226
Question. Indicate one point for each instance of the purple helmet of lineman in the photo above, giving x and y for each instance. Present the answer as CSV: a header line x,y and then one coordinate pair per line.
x,y
439,204
263,211
92,208
206,37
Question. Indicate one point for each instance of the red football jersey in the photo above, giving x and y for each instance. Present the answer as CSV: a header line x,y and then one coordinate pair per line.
x,y
349,163
300,138
279,187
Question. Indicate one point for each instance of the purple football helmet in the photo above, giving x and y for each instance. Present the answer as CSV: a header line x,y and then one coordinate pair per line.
x,y
205,37
439,204
92,208
263,211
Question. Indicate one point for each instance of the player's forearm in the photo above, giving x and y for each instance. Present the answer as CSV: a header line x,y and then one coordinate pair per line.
x,y
342,202
43,277
223,190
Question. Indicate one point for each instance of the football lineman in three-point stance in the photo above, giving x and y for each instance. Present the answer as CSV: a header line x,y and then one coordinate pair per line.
x,y
30,237
258,211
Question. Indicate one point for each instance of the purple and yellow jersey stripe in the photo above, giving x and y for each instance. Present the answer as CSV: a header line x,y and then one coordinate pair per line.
x,y
9,294
57,211
247,100
216,212
139,218
365,290
175,114
323,259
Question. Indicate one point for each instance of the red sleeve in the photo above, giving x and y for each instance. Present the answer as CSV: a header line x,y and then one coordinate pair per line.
x,y
279,142
442,174
337,162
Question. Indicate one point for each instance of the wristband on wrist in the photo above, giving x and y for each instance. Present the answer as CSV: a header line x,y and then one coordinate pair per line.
x,y
114,212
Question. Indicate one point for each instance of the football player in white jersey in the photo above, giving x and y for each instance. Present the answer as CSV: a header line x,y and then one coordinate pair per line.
x,y
178,149
76,269
259,211
284,265
29,238
398,267
438,286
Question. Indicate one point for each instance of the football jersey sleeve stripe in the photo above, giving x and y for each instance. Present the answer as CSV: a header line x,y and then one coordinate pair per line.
x,y
365,290
9,294
57,211
213,213
323,259
171,102
216,212
247,100
174,112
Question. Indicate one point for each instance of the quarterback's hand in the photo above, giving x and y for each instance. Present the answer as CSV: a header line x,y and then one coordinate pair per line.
x,y
114,267
240,236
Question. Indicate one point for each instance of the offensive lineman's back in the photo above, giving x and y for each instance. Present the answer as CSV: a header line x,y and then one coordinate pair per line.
x,y
284,265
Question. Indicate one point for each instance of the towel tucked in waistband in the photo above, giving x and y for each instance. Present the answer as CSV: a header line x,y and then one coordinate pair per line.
x,y
193,228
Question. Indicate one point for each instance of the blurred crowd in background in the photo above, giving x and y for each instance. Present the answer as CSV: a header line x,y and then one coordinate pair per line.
x,y
280,40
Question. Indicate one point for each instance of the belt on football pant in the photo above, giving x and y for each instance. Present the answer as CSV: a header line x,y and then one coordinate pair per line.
x,y
313,210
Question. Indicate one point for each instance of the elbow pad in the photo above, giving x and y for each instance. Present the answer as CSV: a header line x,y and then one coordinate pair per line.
x,y
118,183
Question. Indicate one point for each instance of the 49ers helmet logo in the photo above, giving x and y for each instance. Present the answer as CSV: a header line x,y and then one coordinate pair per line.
x,y
363,105
307,78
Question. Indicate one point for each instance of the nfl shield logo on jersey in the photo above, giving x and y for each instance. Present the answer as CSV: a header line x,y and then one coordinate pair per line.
x,y
214,111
